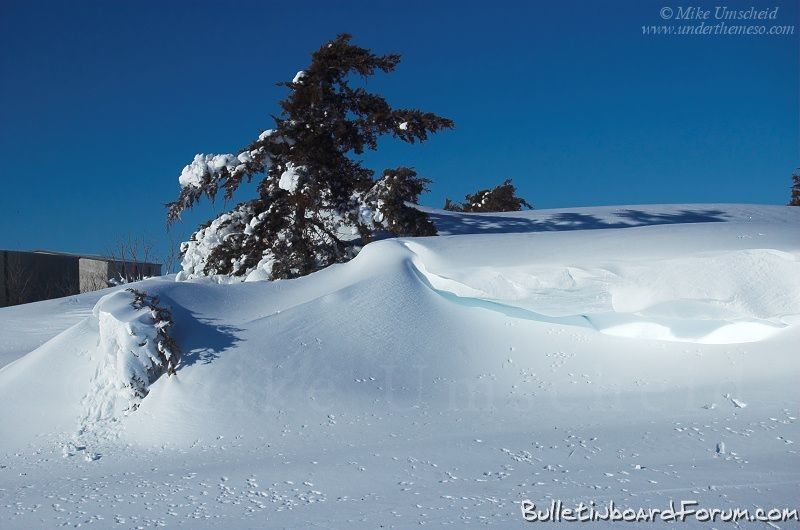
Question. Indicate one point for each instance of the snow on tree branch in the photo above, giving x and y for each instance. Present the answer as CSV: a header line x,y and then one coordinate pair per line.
x,y
316,204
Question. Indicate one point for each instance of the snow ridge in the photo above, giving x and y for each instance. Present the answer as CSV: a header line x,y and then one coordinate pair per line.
x,y
723,297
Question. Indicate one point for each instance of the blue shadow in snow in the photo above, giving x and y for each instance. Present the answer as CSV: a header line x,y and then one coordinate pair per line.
x,y
465,223
200,340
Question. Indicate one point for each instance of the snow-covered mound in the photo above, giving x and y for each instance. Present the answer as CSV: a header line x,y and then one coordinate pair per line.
x,y
636,354
716,297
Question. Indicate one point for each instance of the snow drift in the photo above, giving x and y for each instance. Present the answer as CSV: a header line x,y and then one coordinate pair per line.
x,y
716,298
603,353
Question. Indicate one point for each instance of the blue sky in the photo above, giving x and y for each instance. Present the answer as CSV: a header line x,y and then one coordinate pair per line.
x,y
102,103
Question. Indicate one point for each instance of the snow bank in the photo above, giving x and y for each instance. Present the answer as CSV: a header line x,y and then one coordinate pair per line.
x,y
134,340
134,348
716,298
436,380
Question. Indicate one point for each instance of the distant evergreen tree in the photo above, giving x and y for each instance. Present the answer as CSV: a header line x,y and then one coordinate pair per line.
x,y
795,189
452,206
316,204
502,198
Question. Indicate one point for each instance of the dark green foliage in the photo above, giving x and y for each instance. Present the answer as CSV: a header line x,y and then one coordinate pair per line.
x,y
795,188
452,206
502,198
325,122
395,188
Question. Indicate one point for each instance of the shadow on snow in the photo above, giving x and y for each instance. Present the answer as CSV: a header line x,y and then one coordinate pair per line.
x,y
201,339
465,223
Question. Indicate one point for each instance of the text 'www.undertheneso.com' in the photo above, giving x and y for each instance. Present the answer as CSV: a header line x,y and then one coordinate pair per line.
x,y
556,512
677,21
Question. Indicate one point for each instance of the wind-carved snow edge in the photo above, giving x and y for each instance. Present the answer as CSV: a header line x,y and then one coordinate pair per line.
x,y
135,349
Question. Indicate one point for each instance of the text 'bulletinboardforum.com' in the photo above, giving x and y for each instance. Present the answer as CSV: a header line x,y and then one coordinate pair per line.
x,y
682,511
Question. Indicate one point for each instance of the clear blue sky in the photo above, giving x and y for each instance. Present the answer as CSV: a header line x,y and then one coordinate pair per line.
x,y
103,102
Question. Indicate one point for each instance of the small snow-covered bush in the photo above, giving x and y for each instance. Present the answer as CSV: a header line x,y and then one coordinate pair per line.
x,y
135,338
168,355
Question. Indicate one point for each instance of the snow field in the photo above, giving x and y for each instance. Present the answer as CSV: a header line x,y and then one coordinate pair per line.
x,y
435,381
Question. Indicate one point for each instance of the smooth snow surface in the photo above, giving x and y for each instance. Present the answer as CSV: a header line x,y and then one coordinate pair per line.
x,y
716,297
640,354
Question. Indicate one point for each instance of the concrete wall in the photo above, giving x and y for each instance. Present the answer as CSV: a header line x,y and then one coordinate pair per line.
x,y
97,273
3,288
30,277
93,274
132,270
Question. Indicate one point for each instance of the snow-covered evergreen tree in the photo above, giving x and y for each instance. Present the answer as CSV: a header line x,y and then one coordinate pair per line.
x,y
502,198
316,203
795,189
